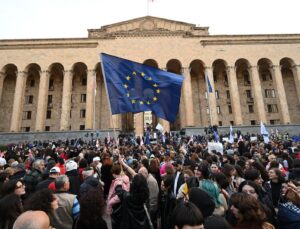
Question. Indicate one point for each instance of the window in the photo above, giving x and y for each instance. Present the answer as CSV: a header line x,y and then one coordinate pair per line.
x,y
83,81
47,128
26,115
48,114
215,78
218,109
250,108
29,99
252,122
25,129
232,123
82,113
49,99
228,94
51,85
272,108
83,98
274,121
247,81
248,93
229,109
207,110
265,76
220,123
270,93
217,94
32,82
81,127
205,94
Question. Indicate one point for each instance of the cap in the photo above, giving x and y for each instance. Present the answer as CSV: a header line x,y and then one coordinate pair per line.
x,y
96,159
71,165
2,161
54,170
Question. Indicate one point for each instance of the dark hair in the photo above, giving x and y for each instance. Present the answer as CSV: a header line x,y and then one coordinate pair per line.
x,y
145,163
116,169
9,187
216,222
186,213
227,168
239,171
139,189
221,180
60,160
10,209
40,201
252,184
83,163
259,166
92,207
168,180
249,208
279,175
203,167
252,174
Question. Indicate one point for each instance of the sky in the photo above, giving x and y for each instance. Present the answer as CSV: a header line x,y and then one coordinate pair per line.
x,y
23,19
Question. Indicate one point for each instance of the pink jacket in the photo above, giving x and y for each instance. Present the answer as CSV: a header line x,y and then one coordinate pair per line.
x,y
112,197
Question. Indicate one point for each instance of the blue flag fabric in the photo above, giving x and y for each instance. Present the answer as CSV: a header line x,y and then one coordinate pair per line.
x,y
134,87
209,87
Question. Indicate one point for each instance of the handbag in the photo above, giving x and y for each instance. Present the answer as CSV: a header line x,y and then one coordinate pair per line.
x,y
148,217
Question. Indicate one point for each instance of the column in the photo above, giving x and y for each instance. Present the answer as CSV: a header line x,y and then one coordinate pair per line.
x,y
212,102
281,94
90,99
66,100
42,101
188,98
139,124
165,124
18,101
2,76
115,122
234,96
256,86
296,73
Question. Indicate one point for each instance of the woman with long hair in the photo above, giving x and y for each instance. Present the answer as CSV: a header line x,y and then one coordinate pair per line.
x,y
92,209
42,200
13,186
10,208
276,181
247,211
134,211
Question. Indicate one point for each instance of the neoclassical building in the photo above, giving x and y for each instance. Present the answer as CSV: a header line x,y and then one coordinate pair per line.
x,y
49,84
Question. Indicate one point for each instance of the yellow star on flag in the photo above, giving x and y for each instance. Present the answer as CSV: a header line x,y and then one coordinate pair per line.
x,y
148,102
125,85
150,78
128,94
154,98
134,73
141,102
155,85
142,74
128,78
158,91
133,101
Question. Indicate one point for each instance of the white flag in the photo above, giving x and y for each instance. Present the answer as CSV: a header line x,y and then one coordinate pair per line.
x,y
231,139
264,132
159,127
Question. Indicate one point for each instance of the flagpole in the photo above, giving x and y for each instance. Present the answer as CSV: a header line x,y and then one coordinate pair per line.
x,y
208,102
95,86
147,7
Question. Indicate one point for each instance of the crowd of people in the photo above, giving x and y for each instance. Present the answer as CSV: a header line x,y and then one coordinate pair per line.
x,y
175,182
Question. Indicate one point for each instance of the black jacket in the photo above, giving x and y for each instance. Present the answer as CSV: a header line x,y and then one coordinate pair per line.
x,y
133,214
74,181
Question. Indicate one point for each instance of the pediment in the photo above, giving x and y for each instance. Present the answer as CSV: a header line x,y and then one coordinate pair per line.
x,y
147,26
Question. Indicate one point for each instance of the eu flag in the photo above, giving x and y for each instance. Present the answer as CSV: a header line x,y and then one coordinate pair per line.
x,y
134,87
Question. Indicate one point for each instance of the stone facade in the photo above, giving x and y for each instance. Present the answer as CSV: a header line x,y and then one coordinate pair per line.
x,y
50,84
